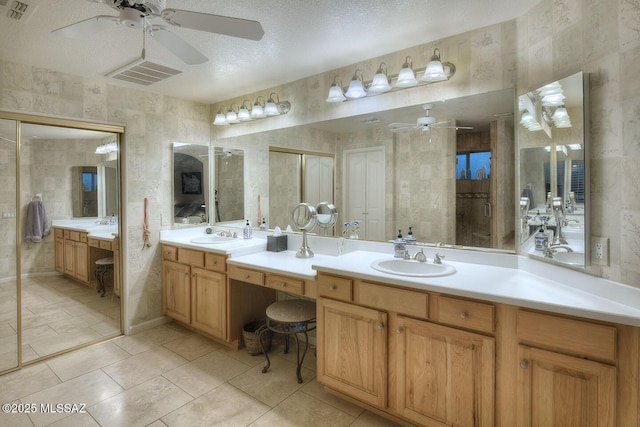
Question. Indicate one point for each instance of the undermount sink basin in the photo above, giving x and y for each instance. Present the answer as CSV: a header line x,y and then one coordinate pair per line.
x,y
212,239
573,258
403,267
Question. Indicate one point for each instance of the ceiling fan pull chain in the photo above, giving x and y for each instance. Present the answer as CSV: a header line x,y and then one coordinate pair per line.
x,y
144,38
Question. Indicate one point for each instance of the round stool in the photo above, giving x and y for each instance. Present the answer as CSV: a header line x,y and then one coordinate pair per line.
x,y
291,317
103,265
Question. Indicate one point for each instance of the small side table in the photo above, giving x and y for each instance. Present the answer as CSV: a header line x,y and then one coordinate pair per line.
x,y
103,265
291,317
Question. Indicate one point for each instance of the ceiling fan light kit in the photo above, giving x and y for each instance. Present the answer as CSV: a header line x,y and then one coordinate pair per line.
x,y
259,110
435,71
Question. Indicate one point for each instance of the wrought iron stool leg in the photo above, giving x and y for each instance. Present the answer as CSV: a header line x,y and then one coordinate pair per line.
x,y
264,350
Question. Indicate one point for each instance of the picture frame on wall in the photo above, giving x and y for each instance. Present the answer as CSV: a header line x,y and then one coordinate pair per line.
x,y
191,183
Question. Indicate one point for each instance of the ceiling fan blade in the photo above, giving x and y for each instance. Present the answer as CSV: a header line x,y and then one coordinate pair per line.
x,y
87,27
183,50
227,25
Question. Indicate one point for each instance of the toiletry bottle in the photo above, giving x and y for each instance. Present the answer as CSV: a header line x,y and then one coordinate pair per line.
x,y
541,239
263,224
410,237
112,221
247,232
399,246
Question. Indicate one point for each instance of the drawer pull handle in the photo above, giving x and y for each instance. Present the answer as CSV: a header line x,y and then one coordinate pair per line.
x,y
464,314
399,331
283,285
524,364
246,276
380,326
332,287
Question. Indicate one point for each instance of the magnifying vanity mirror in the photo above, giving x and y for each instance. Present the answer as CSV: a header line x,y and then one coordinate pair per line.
x,y
326,216
304,218
554,183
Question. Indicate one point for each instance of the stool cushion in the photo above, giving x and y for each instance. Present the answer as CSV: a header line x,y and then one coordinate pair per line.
x,y
292,311
104,261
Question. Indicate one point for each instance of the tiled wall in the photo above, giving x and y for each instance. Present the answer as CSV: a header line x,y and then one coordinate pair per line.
x,y
153,122
553,40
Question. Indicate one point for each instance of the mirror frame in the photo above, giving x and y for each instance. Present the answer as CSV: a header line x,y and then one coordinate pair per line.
x,y
586,150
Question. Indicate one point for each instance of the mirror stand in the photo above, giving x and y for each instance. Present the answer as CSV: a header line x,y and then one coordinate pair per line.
x,y
304,218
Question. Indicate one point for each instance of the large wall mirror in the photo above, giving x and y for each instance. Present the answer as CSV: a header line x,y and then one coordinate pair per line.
x,y
229,184
406,175
554,160
58,175
191,175
297,176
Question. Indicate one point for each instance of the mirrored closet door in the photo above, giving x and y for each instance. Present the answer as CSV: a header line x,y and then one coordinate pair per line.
x,y
66,267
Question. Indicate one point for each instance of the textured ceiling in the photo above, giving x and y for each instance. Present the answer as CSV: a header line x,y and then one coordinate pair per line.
x,y
302,38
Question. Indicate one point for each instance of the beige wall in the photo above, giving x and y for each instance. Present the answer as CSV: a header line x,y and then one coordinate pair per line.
x,y
555,39
152,122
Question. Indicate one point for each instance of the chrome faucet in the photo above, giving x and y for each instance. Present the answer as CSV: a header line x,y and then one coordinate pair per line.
x,y
438,259
551,249
420,256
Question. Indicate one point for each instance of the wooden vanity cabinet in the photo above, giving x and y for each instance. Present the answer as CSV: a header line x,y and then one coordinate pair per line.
x,y
381,348
194,289
567,372
76,255
59,250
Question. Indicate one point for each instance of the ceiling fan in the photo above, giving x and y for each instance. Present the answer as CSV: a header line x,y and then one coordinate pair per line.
x,y
425,123
135,14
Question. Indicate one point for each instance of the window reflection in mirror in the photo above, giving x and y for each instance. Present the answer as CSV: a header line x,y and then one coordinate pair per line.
x,y
554,165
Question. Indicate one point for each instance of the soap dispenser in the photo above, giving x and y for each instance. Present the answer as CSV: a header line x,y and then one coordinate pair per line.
x,y
263,224
541,239
410,237
247,233
399,246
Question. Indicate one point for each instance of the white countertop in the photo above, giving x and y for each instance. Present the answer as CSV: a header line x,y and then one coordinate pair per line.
x,y
90,226
236,247
509,279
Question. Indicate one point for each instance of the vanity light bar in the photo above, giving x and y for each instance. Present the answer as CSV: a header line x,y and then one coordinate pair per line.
x,y
435,71
248,112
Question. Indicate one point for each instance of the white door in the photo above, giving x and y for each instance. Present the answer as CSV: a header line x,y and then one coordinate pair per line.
x,y
318,181
364,191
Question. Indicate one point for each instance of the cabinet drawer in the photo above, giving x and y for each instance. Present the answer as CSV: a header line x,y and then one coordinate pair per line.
x,y
106,244
83,237
215,262
58,232
466,314
246,275
286,284
388,298
568,335
189,256
93,242
335,287
169,253
72,235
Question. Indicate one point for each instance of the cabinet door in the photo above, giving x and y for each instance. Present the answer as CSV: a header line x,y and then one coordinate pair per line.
x,y
59,254
208,297
352,350
176,282
441,375
69,258
81,253
555,390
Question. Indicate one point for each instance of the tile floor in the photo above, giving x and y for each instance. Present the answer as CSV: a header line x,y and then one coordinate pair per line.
x,y
57,314
170,376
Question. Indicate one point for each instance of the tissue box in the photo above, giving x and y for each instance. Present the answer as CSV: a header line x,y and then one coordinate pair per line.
x,y
277,243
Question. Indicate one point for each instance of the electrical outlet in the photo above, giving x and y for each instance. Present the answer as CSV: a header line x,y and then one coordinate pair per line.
x,y
600,250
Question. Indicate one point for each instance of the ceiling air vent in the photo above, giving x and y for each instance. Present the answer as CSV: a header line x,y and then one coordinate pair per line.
x,y
143,72
18,10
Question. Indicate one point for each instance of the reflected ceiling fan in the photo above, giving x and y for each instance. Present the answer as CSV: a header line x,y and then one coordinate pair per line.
x,y
136,13
425,123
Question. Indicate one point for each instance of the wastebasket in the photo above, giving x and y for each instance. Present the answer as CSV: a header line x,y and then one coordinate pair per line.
x,y
252,332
